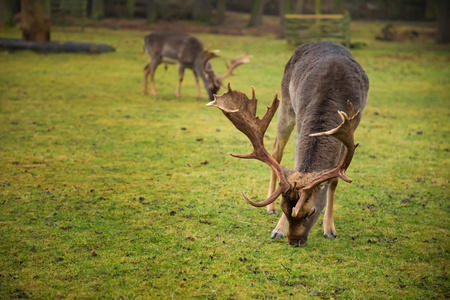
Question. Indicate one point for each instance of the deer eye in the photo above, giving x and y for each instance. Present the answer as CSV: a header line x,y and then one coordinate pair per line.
x,y
312,213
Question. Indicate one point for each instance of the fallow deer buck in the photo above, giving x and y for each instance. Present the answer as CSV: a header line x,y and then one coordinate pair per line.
x,y
187,51
322,87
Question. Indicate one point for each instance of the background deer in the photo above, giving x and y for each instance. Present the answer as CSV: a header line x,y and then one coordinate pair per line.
x,y
322,87
186,51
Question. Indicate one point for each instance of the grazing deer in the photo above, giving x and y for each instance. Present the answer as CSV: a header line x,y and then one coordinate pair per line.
x,y
321,82
186,51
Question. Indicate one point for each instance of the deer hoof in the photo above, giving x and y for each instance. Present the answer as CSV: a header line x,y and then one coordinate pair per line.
x,y
272,212
276,235
330,235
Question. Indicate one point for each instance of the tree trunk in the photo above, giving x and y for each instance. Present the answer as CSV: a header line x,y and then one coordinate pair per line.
x,y
129,12
257,12
152,12
317,7
337,6
18,44
282,9
430,10
297,6
98,9
35,20
202,10
221,8
8,8
443,21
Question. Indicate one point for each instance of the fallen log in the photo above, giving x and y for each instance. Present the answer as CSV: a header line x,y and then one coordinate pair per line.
x,y
18,44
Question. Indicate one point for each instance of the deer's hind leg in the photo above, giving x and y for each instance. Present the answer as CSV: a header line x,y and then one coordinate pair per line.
x,y
180,79
150,69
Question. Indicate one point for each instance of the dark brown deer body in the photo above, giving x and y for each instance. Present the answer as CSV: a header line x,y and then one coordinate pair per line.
x,y
320,80
187,51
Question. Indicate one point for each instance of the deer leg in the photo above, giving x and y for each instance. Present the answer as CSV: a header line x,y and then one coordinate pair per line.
x,y
328,223
150,69
146,73
180,79
152,80
277,153
199,94
285,125
280,230
282,225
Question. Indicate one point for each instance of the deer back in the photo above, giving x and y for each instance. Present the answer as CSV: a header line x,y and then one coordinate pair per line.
x,y
176,46
318,80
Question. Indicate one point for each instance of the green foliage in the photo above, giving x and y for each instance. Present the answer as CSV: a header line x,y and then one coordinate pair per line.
x,y
87,162
97,10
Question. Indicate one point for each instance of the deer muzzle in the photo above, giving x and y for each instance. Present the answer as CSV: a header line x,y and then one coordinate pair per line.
x,y
297,241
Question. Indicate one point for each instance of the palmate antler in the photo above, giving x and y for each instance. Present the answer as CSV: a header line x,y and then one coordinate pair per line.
x,y
241,111
208,55
343,133
234,63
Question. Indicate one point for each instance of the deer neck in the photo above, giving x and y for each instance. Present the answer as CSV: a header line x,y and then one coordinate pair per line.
x,y
314,155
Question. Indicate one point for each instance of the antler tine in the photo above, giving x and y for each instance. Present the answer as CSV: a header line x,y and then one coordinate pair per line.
x,y
344,133
241,111
269,199
207,55
234,63
302,198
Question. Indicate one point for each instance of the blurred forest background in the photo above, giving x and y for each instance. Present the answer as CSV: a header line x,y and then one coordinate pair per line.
x,y
218,16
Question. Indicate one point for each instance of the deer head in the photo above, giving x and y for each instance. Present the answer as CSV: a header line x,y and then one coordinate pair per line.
x,y
298,190
216,81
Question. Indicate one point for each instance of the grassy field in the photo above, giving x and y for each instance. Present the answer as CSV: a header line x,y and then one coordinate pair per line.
x,y
87,162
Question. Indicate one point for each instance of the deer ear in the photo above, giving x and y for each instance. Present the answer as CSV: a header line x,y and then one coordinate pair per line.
x,y
286,171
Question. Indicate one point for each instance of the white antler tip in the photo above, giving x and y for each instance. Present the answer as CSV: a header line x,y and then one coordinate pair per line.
x,y
343,115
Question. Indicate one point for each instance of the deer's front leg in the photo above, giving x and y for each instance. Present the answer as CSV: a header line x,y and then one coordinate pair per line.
x,y
199,93
286,124
278,155
280,230
328,223
180,79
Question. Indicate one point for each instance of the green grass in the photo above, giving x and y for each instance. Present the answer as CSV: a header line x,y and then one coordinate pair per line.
x,y
88,162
